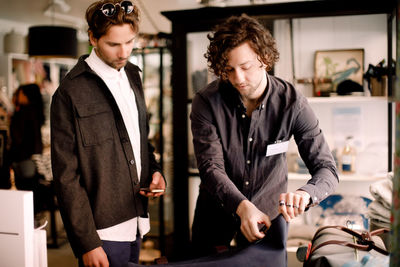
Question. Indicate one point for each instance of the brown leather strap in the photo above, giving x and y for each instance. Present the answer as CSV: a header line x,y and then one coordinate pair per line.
x,y
364,240
380,231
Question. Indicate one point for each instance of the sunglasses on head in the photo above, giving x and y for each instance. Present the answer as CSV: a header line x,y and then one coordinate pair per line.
x,y
109,9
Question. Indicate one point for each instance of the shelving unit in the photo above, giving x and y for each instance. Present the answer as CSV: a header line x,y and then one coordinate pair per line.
x,y
185,22
350,184
346,99
18,69
9,64
294,176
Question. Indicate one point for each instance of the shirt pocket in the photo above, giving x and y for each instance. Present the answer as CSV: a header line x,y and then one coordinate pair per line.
x,y
95,123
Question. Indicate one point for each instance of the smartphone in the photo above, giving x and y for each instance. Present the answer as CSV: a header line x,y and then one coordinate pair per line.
x,y
154,190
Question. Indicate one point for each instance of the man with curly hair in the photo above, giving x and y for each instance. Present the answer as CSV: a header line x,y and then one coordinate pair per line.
x,y
241,125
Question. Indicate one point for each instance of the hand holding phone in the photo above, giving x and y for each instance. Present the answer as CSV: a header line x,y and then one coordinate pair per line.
x,y
156,187
154,190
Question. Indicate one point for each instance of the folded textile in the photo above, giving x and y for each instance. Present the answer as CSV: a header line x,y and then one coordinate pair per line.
x,y
43,164
378,211
380,224
382,191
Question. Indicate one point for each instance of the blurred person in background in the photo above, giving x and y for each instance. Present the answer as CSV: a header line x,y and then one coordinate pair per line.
x,y
26,137
25,132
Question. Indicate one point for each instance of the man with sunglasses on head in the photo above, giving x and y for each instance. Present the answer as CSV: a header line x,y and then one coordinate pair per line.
x,y
101,156
241,125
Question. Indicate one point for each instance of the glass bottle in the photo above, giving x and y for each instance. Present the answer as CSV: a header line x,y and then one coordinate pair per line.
x,y
348,156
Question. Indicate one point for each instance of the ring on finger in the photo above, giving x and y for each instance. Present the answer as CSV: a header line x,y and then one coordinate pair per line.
x,y
289,205
282,203
296,207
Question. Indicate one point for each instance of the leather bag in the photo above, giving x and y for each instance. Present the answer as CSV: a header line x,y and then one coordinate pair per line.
x,y
334,246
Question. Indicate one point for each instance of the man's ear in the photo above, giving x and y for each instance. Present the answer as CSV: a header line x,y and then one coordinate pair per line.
x,y
92,39
263,65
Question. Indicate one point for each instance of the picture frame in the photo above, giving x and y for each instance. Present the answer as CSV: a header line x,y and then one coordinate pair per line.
x,y
331,67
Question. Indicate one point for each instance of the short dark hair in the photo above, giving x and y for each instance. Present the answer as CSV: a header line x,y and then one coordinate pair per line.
x,y
99,23
235,31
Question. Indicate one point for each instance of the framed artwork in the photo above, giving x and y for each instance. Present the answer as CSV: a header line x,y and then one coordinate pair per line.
x,y
332,67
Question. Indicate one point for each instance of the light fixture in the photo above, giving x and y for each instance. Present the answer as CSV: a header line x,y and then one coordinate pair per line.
x,y
61,4
14,43
52,41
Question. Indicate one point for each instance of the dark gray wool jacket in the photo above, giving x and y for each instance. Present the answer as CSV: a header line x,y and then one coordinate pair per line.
x,y
94,168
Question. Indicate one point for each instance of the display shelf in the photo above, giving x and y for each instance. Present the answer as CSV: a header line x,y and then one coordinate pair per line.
x,y
346,99
7,69
349,184
342,177
14,71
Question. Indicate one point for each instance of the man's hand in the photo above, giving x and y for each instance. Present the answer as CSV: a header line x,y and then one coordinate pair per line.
x,y
95,258
250,217
158,182
292,204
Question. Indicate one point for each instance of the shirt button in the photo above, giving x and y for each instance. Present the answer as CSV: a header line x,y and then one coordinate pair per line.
x,y
262,106
243,116
132,162
246,183
250,139
315,198
248,162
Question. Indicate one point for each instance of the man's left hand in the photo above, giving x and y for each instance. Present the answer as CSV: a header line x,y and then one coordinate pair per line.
x,y
250,218
157,182
293,204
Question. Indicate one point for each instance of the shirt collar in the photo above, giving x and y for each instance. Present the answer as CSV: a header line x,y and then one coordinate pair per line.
x,y
101,68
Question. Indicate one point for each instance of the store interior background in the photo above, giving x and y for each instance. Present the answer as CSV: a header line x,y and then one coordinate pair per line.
x,y
369,120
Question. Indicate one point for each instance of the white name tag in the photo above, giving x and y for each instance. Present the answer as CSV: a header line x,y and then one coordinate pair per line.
x,y
277,148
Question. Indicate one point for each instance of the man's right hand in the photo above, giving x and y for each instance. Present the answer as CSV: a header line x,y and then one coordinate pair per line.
x,y
95,258
251,217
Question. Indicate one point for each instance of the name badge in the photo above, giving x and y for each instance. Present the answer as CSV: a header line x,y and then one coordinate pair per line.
x,y
277,148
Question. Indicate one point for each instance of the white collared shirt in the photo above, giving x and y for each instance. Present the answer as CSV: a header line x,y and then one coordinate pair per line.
x,y
118,84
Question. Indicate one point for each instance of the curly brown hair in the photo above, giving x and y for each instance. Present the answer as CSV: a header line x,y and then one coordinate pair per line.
x,y
99,23
233,32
